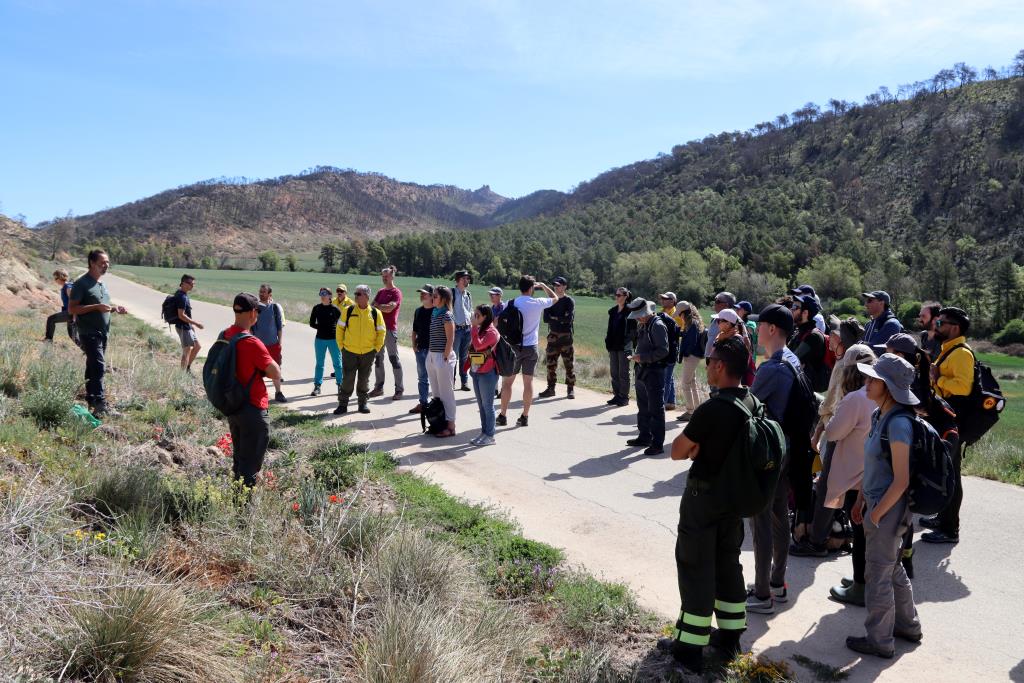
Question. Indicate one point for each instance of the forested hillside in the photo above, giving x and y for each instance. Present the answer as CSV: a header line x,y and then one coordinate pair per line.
x,y
290,212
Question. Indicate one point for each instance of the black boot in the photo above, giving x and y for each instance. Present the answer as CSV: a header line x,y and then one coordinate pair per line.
x,y
727,642
342,408
569,394
690,656
362,407
547,393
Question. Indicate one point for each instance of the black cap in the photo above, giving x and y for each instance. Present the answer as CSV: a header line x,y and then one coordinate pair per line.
x,y
426,289
636,304
809,303
775,314
245,302
804,289
459,274
956,315
560,281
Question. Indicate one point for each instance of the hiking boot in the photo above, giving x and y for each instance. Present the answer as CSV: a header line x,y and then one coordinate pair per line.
x,y
638,443
685,417
670,406
930,522
807,549
363,408
726,641
569,394
378,391
622,402
612,401
654,450
866,647
690,657
547,393
849,595
416,409
341,409
464,387
909,636
523,421
279,397
907,560
398,396
316,390
501,421
939,537
760,605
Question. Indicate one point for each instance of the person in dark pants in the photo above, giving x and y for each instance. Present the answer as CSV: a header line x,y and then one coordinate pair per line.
x,y
360,337
710,534
60,276
560,332
250,426
421,344
617,341
89,302
324,319
650,356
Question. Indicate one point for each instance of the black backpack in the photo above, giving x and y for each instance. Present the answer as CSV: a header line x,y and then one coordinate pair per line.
x,y
510,324
702,340
673,337
802,406
932,478
169,310
979,411
504,358
222,387
750,472
432,418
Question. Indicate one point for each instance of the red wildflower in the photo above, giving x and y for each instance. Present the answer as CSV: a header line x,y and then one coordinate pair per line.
x,y
224,444
295,507
333,498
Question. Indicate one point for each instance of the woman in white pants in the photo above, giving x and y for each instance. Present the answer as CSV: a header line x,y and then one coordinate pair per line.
x,y
691,353
440,357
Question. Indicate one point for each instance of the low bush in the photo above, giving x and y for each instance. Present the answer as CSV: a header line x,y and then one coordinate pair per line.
x,y
50,392
415,568
848,306
1013,333
995,458
595,609
12,353
122,490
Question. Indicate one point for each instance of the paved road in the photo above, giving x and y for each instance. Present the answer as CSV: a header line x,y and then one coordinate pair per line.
x,y
570,481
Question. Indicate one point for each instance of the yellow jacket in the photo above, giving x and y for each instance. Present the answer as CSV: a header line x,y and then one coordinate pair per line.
x,y
343,304
358,333
956,374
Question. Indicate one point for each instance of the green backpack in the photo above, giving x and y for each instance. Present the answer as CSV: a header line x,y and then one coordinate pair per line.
x,y
747,480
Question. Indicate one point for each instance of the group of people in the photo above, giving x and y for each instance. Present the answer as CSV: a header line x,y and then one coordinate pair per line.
x,y
844,394
876,381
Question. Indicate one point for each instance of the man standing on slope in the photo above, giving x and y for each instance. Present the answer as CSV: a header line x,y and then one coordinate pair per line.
x,y
269,329
187,335
462,311
560,328
530,309
89,302
388,301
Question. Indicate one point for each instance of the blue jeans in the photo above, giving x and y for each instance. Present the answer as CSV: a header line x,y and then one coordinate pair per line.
x,y
670,384
422,381
484,386
322,347
461,348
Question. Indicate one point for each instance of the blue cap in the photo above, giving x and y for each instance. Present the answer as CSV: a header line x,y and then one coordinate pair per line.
x,y
746,306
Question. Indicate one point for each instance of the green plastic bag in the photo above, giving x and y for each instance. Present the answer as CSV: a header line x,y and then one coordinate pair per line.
x,y
82,413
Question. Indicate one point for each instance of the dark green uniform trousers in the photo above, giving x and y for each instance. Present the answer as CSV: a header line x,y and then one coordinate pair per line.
x,y
708,565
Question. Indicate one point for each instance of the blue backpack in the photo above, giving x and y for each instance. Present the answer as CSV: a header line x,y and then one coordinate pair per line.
x,y
222,387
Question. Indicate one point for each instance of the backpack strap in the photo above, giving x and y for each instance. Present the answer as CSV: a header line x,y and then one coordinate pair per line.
x,y
947,353
883,435
232,344
740,403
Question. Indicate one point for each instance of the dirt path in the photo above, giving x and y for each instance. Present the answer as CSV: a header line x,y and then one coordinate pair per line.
x,y
570,481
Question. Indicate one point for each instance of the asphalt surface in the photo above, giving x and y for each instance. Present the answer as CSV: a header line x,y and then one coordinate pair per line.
x,y
570,480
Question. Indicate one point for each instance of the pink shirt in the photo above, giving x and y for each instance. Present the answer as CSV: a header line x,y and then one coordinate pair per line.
x,y
387,296
483,342
848,428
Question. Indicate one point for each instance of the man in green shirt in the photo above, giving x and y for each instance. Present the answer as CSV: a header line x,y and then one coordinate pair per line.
x,y
90,304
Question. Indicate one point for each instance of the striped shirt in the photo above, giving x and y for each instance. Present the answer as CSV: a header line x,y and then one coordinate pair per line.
x,y
438,339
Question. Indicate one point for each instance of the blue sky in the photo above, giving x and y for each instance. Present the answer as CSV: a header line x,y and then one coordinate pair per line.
x,y
106,102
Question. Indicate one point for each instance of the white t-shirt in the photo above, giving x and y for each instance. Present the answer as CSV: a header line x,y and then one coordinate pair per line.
x,y
532,310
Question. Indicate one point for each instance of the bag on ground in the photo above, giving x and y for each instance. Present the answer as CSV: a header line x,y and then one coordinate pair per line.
x,y
433,419
932,478
222,387
750,472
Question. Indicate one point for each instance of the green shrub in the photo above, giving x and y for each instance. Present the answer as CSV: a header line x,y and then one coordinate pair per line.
x,y
1013,333
593,608
907,314
414,567
50,392
849,306
336,464
119,491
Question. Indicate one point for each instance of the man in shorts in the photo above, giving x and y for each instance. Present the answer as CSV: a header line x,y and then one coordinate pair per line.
x,y
531,310
186,324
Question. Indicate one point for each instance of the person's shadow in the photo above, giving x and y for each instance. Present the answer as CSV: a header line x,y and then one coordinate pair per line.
x,y
600,466
1017,673
672,488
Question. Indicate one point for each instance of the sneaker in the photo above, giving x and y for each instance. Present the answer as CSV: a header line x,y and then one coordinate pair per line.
x,y
547,393
475,441
341,410
569,395
939,537
846,581
279,397
523,421
638,443
670,406
866,647
501,421
654,450
780,593
316,390
379,391
807,549
486,441
760,605
930,522
464,387
685,417
848,595
397,396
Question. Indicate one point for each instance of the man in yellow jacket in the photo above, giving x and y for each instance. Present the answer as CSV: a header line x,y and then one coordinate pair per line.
x,y
360,336
340,299
952,379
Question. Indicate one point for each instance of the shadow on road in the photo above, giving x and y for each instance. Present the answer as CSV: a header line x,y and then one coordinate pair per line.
x,y
672,488
600,466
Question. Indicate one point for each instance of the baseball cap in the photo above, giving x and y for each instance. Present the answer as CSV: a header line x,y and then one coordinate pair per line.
x,y
878,294
496,290
778,315
426,289
746,306
245,302
903,343
459,274
728,315
809,303
668,295
897,374
726,298
642,311
804,289
324,291
343,287
636,304
561,281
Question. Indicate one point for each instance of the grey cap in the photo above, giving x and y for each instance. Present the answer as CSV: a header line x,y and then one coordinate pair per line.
x,y
496,290
880,295
426,289
903,343
636,304
727,298
644,311
897,374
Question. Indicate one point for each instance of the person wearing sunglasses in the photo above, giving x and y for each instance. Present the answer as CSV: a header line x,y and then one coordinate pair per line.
x,y
617,341
324,319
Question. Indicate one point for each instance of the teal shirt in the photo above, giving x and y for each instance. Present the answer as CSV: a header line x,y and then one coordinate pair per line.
x,y
88,292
